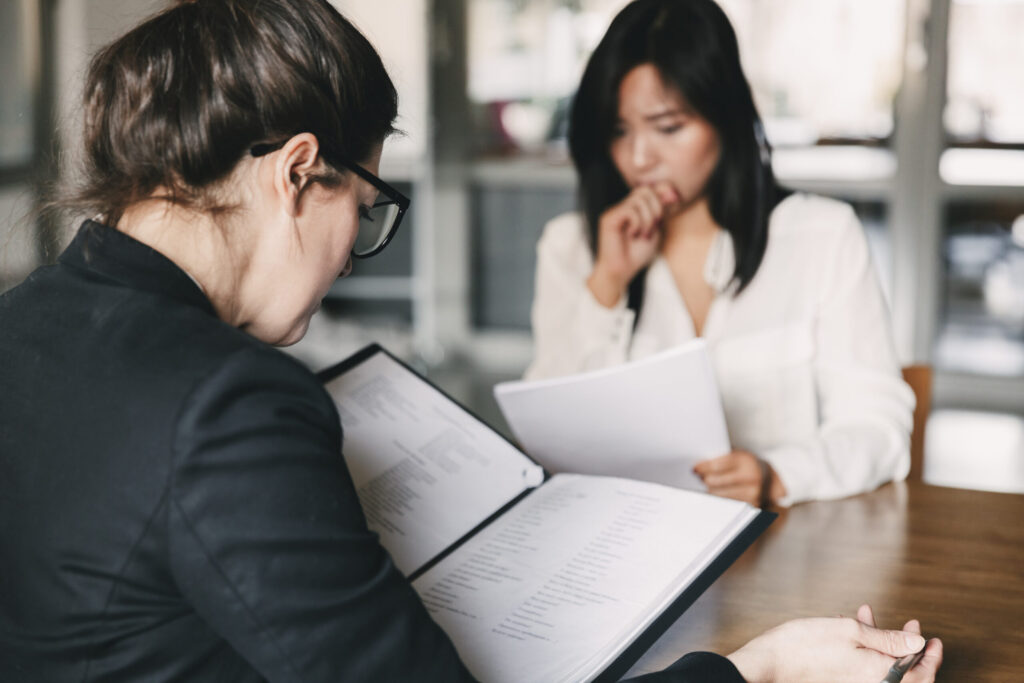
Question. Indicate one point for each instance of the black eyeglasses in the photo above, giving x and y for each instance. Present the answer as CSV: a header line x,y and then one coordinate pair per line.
x,y
377,223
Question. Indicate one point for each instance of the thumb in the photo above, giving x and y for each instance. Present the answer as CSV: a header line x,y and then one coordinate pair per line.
x,y
892,643
928,667
666,193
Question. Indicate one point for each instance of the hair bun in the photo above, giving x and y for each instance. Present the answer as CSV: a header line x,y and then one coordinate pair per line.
x,y
175,103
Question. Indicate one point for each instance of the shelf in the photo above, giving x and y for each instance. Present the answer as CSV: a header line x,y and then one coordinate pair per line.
x,y
983,193
978,392
523,172
372,287
505,351
978,450
983,167
982,174
854,172
398,169
850,171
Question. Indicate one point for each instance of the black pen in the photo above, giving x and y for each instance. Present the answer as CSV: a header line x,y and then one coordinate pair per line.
x,y
902,666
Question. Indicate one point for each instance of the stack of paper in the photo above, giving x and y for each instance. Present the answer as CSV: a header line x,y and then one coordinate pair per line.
x,y
651,419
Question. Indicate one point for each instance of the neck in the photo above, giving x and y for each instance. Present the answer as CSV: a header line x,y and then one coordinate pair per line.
x,y
692,224
194,242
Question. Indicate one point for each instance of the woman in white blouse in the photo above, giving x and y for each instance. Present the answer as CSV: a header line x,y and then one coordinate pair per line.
x,y
684,233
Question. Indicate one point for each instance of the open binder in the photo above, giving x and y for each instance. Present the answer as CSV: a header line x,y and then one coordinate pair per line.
x,y
534,577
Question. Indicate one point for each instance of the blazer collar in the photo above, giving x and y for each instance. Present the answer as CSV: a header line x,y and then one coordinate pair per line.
x,y
109,253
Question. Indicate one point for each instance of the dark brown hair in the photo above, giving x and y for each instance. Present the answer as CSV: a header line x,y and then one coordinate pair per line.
x,y
176,102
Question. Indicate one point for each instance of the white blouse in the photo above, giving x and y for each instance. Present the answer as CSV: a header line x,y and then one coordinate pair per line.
x,y
803,356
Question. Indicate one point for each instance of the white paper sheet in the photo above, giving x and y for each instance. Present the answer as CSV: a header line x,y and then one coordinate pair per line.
x,y
651,419
560,585
412,452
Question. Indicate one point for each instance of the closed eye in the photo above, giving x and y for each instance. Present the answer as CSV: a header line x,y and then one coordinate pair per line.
x,y
364,212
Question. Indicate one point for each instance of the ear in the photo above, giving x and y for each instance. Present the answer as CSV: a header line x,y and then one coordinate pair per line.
x,y
292,167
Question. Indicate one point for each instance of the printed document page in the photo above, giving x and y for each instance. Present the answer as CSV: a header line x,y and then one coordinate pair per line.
x,y
651,419
425,470
558,586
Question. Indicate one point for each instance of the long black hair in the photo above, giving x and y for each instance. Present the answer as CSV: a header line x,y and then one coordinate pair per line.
x,y
693,47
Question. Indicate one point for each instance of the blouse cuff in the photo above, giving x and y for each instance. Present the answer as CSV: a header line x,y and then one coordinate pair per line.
x,y
608,326
795,470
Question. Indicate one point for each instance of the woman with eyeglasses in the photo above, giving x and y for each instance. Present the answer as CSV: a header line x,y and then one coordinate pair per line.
x,y
173,502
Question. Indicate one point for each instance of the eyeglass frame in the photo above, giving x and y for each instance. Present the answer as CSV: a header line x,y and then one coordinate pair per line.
x,y
339,162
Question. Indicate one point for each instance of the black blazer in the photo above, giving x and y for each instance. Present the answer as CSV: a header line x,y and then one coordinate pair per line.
x,y
173,505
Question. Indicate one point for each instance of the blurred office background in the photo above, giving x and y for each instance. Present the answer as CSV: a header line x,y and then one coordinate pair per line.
x,y
911,110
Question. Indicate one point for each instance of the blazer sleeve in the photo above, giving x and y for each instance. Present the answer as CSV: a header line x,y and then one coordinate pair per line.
x,y
269,544
572,332
865,407
696,667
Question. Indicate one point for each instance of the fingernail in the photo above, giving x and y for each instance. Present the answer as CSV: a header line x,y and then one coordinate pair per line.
x,y
914,641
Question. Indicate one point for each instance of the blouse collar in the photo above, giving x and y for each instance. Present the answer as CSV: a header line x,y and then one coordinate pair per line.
x,y
720,264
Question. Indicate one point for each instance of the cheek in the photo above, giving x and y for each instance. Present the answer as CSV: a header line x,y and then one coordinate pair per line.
x,y
348,228
326,255
710,151
343,223
696,157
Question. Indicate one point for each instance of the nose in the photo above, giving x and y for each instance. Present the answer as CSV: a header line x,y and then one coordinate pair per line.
x,y
642,153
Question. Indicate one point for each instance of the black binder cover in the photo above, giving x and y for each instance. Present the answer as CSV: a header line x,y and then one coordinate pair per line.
x,y
645,640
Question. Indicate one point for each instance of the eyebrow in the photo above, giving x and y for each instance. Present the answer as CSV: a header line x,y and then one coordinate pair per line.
x,y
664,114
675,111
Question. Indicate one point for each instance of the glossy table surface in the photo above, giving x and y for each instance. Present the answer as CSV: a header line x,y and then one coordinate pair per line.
x,y
952,558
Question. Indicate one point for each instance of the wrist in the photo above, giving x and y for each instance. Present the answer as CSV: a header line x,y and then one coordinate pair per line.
x,y
752,665
606,287
772,488
777,490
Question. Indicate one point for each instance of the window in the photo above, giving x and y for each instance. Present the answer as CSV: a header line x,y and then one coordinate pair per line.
x,y
21,63
985,86
19,66
822,71
981,326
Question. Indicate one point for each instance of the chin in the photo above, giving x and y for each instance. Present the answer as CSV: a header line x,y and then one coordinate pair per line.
x,y
281,335
282,326
295,335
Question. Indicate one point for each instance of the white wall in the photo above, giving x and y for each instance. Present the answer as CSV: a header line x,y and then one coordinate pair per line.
x,y
398,29
18,254
83,27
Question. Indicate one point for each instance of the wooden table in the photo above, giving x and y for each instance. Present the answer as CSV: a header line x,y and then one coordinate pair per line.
x,y
952,558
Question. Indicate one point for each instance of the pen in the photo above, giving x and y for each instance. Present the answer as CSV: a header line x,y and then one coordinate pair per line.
x,y
902,666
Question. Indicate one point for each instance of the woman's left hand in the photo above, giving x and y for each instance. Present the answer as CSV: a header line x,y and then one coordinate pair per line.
x,y
926,669
740,475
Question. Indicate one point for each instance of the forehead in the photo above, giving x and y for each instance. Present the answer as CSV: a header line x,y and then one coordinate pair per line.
x,y
643,92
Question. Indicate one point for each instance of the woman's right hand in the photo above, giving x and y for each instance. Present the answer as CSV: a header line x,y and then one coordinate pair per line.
x,y
628,237
836,650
